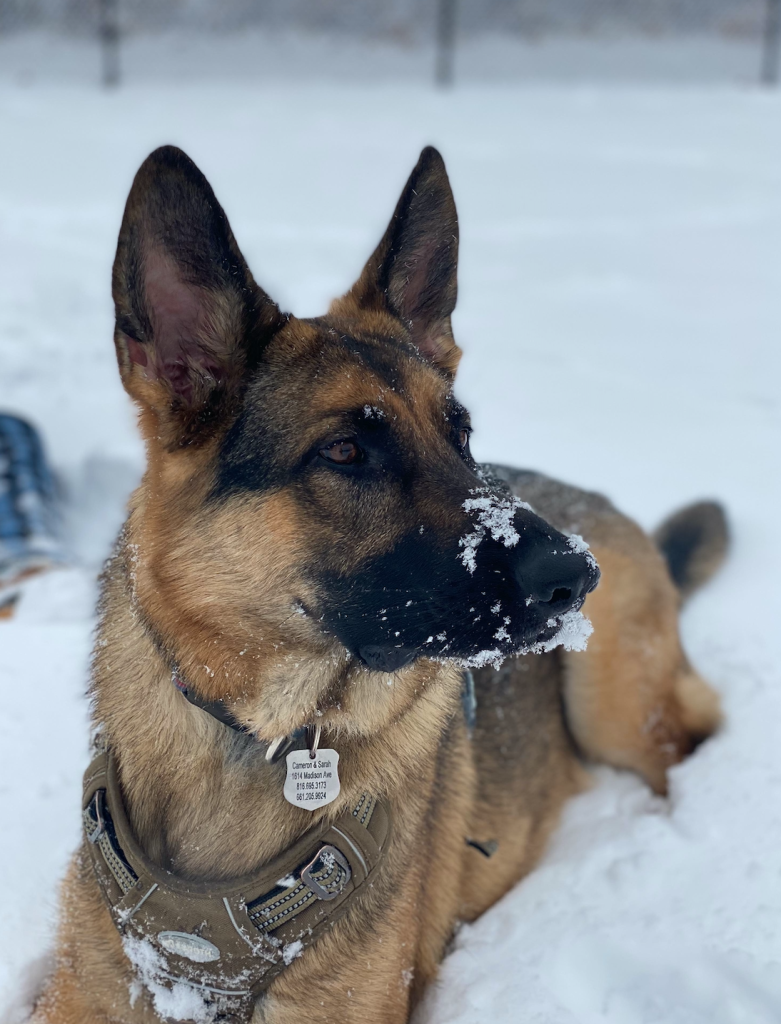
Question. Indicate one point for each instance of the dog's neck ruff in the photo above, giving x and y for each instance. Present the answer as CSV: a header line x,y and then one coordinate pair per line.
x,y
225,942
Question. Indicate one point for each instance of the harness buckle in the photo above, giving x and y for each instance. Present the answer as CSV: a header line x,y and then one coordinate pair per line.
x,y
96,809
325,858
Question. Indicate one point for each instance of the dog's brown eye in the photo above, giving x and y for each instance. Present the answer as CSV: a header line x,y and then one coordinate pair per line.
x,y
342,452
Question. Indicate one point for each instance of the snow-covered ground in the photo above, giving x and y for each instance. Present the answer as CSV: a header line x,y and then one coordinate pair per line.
x,y
620,311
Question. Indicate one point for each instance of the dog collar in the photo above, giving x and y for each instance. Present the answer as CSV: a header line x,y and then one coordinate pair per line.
x,y
283,744
218,709
226,941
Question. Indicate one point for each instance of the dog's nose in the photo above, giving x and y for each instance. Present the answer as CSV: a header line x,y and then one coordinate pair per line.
x,y
557,580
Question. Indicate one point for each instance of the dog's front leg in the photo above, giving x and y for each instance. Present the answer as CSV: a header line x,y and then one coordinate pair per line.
x,y
63,1002
360,972
91,982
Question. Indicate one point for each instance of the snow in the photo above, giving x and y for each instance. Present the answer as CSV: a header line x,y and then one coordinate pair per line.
x,y
580,547
490,656
572,630
172,1000
495,515
28,984
572,634
292,950
619,315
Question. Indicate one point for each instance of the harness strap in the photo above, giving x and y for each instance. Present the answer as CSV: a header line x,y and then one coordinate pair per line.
x,y
226,940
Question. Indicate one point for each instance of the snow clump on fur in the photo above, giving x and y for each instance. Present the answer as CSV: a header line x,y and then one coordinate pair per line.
x,y
495,514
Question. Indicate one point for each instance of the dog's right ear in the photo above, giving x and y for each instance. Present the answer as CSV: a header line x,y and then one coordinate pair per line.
x,y
190,320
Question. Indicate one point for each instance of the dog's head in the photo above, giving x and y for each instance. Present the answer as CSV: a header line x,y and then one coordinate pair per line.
x,y
312,519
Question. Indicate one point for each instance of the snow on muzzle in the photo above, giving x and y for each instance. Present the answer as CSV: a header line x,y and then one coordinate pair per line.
x,y
509,584
554,572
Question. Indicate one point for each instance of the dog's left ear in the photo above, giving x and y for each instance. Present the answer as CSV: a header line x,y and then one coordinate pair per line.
x,y
412,273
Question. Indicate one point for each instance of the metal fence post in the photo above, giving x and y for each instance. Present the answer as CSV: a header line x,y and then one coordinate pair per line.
x,y
446,41
109,38
771,43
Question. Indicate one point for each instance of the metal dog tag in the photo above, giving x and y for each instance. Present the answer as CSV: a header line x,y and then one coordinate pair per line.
x,y
312,782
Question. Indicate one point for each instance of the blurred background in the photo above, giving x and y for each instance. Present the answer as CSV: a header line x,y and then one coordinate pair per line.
x,y
695,40
617,169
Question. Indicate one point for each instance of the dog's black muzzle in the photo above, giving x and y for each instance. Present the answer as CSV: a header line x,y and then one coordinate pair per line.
x,y
430,597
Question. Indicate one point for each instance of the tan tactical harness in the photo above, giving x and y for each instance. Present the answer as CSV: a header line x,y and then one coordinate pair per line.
x,y
226,940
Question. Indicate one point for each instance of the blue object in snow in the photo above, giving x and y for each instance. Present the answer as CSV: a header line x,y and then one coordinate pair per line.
x,y
28,508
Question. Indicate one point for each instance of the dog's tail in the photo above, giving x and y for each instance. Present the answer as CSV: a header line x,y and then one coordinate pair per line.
x,y
694,543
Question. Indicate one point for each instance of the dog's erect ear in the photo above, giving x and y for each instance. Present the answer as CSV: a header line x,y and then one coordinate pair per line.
x,y
190,320
412,272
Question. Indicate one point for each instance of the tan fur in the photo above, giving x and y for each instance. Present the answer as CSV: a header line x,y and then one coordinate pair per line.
x,y
632,699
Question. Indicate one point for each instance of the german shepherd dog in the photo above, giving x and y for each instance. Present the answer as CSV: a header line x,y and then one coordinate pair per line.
x,y
312,545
